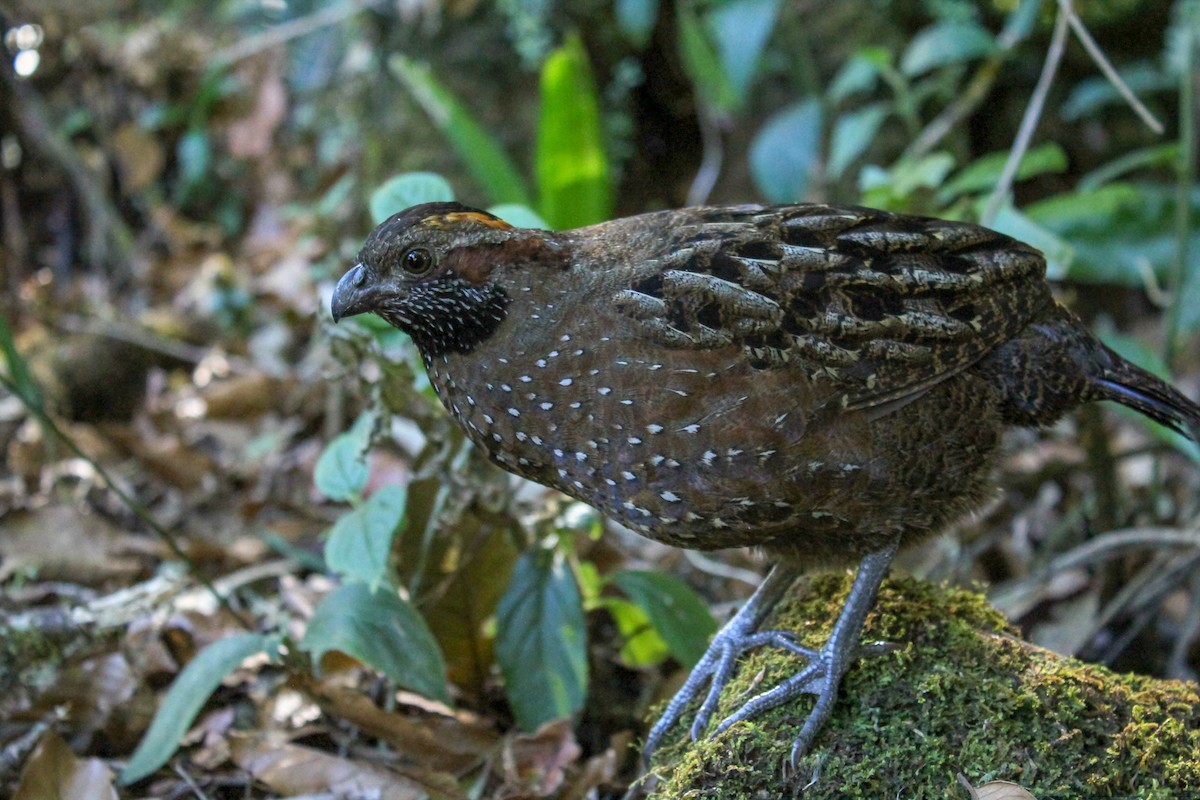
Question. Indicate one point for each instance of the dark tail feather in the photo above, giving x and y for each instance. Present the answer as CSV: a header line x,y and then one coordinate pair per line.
x,y
1138,389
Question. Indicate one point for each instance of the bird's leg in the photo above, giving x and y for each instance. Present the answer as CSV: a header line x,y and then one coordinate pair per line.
x,y
718,663
824,672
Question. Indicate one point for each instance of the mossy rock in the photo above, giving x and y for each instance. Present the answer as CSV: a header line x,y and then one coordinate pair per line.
x,y
961,694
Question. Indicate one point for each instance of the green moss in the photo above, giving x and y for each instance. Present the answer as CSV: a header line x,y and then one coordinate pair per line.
x,y
960,694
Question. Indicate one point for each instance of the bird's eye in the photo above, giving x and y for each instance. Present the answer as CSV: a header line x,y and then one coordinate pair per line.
x,y
417,261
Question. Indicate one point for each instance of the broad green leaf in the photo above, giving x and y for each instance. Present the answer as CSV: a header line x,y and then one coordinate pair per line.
x,y
408,189
1099,207
341,472
636,18
740,29
642,645
1167,155
784,152
361,540
380,629
701,62
518,215
950,42
541,641
484,157
891,188
461,612
860,73
187,695
852,135
1096,93
572,171
679,616
1058,252
982,174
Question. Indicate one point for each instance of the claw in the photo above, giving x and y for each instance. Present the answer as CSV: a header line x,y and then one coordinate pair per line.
x,y
822,676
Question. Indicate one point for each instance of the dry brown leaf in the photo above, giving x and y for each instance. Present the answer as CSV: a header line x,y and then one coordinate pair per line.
x,y
1002,790
436,741
245,395
90,691
535,763
54,772
67,543
139,156
250,136
291,770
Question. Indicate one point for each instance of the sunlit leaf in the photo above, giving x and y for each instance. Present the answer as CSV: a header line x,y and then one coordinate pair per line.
x,y
341,472
361,540
1058,252
852,135
701,61
983,173
943,43
187,695
740,29
572,171
520,216
784,153
484,157
859,73
636,19
408,189
679,616
642,645
380,629
541,640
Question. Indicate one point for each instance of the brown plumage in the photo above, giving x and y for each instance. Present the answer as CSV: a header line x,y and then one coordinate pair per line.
x,y
823,382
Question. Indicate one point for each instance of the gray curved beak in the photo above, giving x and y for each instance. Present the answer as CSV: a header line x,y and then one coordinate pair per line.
x,y
352,295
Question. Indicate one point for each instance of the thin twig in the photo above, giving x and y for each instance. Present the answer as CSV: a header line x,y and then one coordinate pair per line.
x,y
710,161
287,31
1033,113
976,91
1184,183
1110,72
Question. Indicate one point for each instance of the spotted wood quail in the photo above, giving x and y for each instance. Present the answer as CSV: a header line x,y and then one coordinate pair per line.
x,y
822,382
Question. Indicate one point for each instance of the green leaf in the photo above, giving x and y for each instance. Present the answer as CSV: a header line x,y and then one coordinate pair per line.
x,y
982,174
1167,155
943,43
484,157
784,152
701,62
380,629
642,645
341,472
1059,253
361,541
677,613
1093,94
860,73
636,18
518,215
852,135
408,189
572,171
187,695
740,29
541,642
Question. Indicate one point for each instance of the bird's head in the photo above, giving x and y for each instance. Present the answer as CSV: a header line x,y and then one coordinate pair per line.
x,y
438,272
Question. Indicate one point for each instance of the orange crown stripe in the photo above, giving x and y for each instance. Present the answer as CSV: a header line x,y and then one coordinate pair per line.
x,y
456,217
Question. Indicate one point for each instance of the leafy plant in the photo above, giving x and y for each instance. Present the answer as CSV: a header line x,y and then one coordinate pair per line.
x,y
573,177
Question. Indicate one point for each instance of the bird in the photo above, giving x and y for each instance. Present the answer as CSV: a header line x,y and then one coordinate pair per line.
x,y
824,383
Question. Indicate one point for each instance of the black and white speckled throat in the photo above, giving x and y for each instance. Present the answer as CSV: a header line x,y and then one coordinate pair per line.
x,y
448,316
